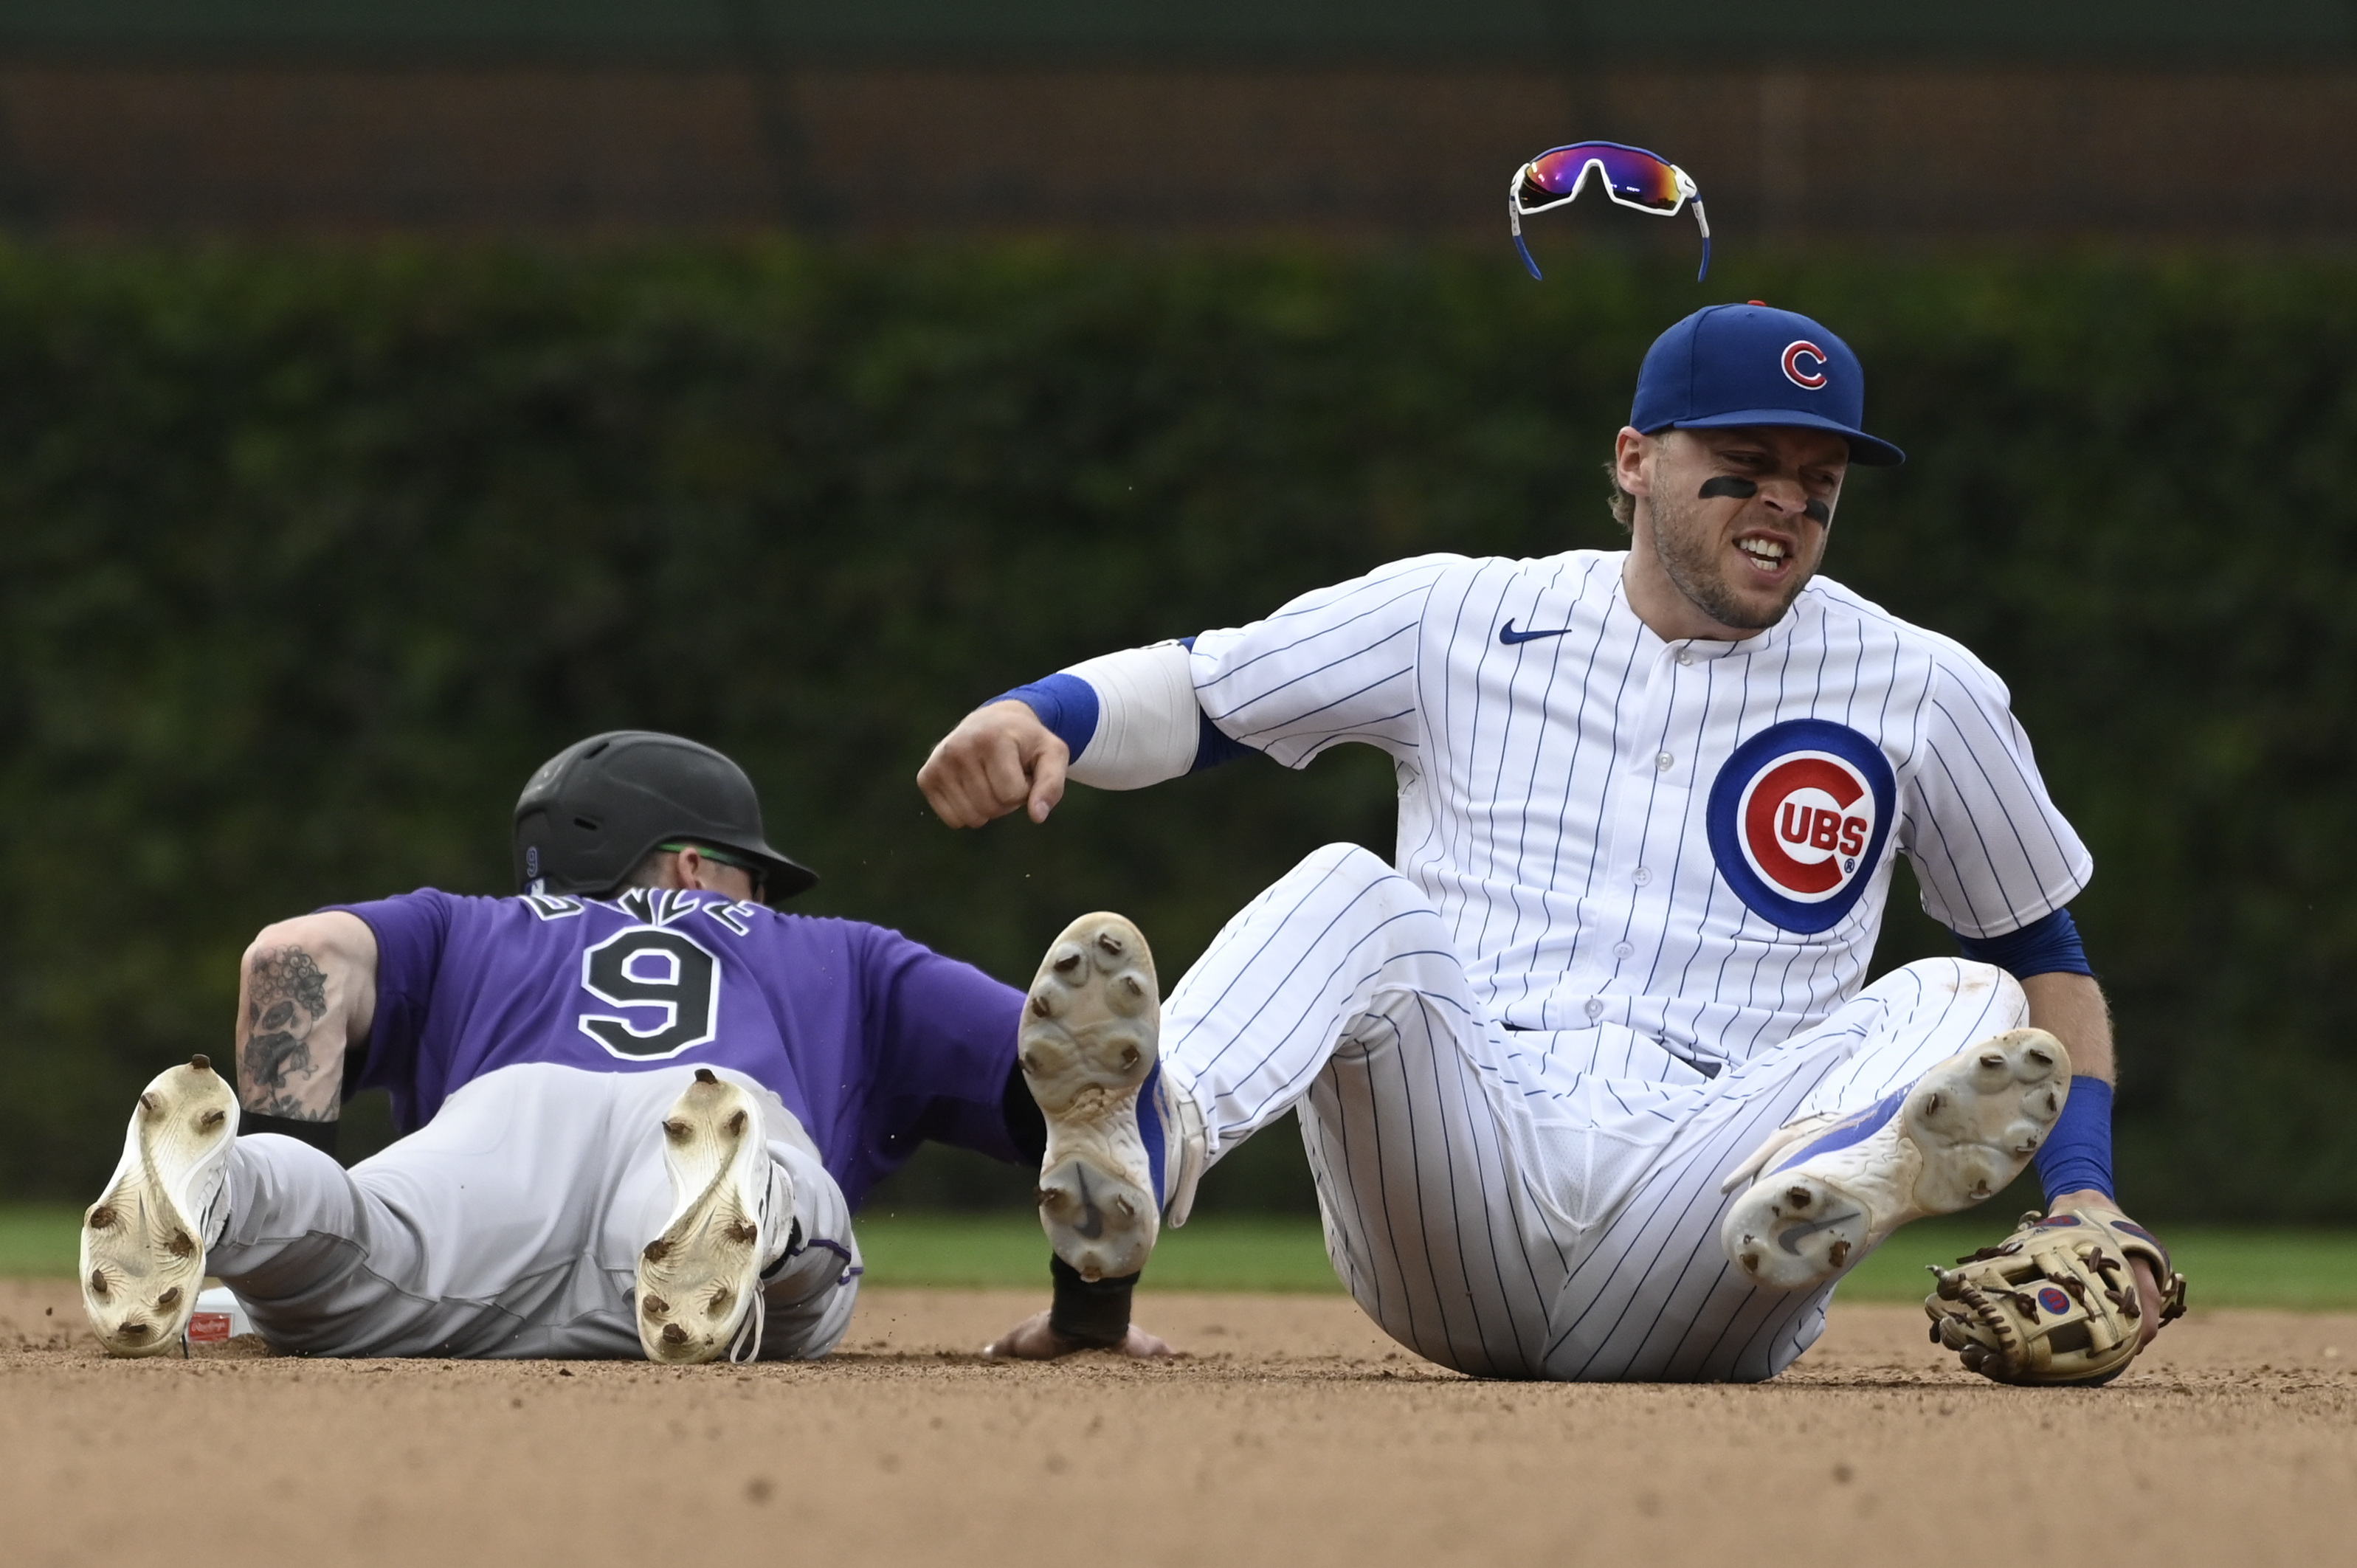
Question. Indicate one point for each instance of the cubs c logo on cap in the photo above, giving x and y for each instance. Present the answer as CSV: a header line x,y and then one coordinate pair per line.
x,y
1804,364
1798,817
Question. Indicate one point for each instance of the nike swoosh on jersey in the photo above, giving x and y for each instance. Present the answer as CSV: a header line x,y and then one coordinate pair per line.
x,y
1509,635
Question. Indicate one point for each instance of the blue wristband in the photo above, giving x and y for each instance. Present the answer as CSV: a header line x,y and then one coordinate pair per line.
x,y
2077,1154
1065,703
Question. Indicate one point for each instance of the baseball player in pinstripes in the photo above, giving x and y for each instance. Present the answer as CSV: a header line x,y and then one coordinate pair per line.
x,y
1590,1083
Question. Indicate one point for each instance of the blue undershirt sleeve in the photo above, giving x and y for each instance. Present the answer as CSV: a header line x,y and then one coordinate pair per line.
x,y
2049,946
1213,744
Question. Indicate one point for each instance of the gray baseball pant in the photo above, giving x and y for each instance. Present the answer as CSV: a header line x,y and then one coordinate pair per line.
x,y
509,1225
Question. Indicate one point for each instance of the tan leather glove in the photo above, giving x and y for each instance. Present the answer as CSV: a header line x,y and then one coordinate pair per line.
x,y
2055,1301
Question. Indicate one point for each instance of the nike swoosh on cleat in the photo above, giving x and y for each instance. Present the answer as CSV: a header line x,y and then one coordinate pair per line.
x,y
1784,1238
1092,1221
1509,635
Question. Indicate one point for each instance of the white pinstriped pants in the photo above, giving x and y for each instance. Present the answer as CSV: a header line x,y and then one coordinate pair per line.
x,y
1525,1205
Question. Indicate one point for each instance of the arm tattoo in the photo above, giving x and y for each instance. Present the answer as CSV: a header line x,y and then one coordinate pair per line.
x,y
287,996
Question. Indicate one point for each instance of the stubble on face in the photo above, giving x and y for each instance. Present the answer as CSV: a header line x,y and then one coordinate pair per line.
x,y
1726,548
1694,556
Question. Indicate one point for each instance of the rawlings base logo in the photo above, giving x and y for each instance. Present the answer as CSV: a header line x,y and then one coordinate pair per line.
x,y
1798,817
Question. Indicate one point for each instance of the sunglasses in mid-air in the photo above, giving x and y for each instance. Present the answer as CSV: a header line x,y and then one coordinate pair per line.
x,y
1631,176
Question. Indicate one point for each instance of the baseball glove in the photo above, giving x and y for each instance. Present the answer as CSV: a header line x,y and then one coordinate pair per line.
x,y
2055,1301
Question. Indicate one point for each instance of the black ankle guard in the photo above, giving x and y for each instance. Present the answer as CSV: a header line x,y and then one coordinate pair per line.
x,y
320,1135
1093,1315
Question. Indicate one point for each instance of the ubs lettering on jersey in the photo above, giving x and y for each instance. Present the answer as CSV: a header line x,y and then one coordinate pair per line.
x,y
1797,818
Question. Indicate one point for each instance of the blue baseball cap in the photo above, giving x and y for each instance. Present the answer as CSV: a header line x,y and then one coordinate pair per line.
x,y
1747,364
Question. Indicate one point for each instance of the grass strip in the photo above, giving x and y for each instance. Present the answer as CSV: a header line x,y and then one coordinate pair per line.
x,y
2303,1270
39,1241
2299,1270
980,1250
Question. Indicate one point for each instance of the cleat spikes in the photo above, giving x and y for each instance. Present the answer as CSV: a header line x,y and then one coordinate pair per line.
x,y
698,1280
1087,1045
143,1251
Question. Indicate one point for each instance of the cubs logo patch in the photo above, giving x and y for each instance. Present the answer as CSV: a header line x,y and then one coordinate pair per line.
x,y
1804,364
1798,817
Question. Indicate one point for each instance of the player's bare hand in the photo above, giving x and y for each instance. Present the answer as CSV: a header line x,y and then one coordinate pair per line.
x,y
998,758
1033,1341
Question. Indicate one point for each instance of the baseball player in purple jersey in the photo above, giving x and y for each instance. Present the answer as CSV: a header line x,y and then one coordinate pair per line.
x,y
1590,1078
639,1104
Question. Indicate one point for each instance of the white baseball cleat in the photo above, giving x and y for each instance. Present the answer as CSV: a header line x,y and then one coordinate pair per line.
x,y
700,1281
143,1244
1087,1044
1944,1143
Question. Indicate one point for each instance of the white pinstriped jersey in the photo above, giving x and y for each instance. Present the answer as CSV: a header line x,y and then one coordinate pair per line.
x,y
1691,841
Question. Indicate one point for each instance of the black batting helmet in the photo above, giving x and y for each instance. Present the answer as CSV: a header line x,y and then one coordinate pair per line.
x,y
599,806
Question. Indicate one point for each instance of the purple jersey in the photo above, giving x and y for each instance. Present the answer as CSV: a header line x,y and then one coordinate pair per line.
x,y
875,1042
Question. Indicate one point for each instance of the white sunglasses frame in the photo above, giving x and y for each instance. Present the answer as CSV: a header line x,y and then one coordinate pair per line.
x,y
1689,195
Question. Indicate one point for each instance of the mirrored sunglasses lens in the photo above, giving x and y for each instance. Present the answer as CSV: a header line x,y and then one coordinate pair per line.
x,y
1557,173
1637,178
1643,180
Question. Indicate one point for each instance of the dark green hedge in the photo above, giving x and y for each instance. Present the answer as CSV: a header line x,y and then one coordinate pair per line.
x,y
313,556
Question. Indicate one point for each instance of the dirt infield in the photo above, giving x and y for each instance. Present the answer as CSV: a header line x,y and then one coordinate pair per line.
x,y
1292,1435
